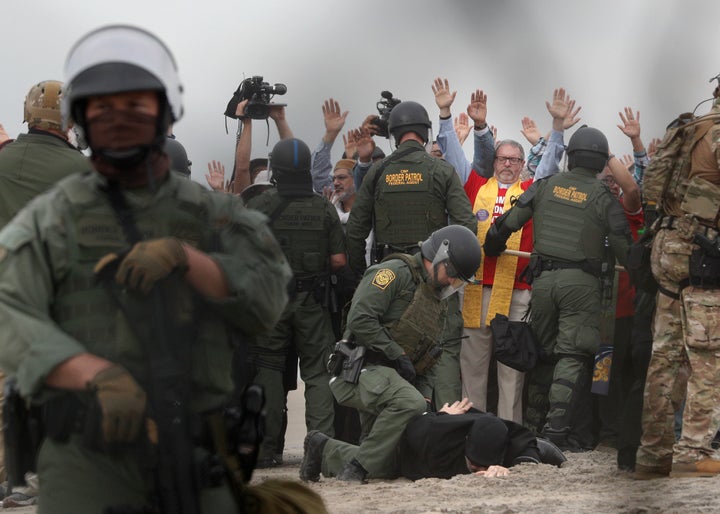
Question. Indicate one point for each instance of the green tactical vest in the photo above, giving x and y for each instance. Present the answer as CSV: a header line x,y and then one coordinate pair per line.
x,y
300,229
565,223
405,209
85,309
419,329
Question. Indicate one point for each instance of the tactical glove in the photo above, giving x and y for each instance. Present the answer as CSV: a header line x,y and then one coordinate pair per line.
x,y
122,404
495,241
405,368
146,263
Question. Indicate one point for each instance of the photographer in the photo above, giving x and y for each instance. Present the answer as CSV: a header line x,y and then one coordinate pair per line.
x,y
250,101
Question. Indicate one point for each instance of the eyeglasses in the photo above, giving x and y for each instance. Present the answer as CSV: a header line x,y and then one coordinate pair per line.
x,y
511,160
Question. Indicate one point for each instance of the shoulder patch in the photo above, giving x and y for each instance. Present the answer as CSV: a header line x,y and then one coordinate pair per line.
x,y
383,278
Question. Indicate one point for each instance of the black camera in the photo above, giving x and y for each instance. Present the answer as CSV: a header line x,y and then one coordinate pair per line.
x,y
258,94
384,106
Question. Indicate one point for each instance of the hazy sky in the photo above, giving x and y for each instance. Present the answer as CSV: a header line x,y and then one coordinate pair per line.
x,y
653,55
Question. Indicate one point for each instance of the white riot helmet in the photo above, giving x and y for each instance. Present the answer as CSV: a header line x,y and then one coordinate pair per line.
x,y
118,59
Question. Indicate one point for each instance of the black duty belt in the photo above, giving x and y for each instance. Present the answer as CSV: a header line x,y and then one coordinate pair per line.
x,y
549,265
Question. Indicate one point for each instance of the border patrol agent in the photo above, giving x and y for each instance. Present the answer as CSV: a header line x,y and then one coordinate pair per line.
x,y
404,198
81,272
310,234
394,325
573,213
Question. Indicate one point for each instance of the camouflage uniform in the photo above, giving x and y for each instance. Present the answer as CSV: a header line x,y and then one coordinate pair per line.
x,y
686,346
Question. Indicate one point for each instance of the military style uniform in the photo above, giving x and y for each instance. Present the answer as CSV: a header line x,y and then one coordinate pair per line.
x,y
686,337
32,164
29,166
413,195
383,296
52,308
572,215
309,231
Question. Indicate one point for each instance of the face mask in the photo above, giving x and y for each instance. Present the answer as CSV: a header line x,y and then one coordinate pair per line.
x,y
122,145
121,131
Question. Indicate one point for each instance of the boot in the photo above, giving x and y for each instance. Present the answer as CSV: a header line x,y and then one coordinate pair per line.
x,y
559,437
353,472
549,453
311,464
705,467
646,472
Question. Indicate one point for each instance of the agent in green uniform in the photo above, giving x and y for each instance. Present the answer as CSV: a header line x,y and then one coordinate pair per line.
x,y
403,199
121,277
310,234
397,318
29,166
574,214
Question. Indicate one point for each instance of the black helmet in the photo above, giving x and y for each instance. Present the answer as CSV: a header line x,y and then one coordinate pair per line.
x,y
409,117
457,245
178,156
290,165
588,148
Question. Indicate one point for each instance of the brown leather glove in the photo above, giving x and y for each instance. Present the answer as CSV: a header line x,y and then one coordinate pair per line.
x,y
122,404
146,263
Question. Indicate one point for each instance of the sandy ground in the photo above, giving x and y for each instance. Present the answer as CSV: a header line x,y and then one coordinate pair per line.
x,y
587,483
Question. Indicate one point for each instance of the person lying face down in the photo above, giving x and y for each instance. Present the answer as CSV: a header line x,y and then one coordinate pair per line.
x,y
461,440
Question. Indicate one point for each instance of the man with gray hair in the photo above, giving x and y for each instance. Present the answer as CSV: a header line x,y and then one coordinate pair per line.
x,y
493,184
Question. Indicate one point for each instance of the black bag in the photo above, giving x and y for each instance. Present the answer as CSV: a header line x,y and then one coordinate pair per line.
x,y
514,343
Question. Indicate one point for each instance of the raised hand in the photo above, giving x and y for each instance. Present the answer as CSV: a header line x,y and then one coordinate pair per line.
x,y
631,123
530,131
240,109
477,110
462,127
216,176
627,161
653,146
571,116
365,145
443,97
350,141
368,126
334,119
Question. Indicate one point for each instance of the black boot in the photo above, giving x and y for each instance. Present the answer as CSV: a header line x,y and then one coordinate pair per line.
x,y
559,437
549,453
311,464
353,472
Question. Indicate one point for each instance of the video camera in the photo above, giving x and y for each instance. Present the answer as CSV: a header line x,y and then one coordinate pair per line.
x,y
258,94
384,106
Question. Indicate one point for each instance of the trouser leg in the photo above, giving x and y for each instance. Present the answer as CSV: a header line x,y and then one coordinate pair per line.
x,y
394,402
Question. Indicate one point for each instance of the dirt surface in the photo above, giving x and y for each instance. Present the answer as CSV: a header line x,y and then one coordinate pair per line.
x,y
588,482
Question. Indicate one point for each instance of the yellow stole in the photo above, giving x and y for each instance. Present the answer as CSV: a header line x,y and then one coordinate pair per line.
x,y
505,267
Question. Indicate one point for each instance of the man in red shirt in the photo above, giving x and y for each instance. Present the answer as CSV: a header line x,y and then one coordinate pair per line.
x,y
502,290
